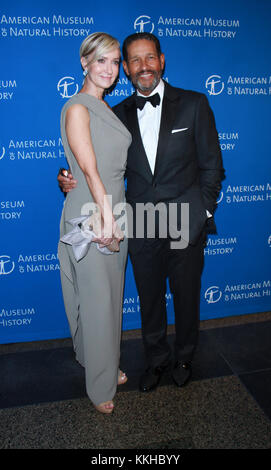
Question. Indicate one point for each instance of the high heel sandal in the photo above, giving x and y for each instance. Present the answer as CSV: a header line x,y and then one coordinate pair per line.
x,y
107,407
122,378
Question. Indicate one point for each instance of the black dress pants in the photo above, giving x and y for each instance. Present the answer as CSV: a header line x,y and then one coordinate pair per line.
x,y
153,265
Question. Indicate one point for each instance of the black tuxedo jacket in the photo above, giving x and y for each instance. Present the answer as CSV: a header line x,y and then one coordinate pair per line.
x,y
188,165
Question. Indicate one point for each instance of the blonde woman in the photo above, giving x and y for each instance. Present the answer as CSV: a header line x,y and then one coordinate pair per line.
x,y
96,144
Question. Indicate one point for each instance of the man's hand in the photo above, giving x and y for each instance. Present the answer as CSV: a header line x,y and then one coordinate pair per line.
x,y
65,180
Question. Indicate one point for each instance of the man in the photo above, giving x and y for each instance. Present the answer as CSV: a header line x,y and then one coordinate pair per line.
x,y
174,159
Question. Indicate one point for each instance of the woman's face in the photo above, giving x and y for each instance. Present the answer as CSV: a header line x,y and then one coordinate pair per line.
x,y
103,72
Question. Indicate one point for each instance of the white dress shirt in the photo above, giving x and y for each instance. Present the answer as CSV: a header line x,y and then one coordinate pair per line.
x,y
149,119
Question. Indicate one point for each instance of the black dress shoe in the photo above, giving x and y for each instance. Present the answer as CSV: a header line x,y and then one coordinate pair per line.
x,y
151,378
181,373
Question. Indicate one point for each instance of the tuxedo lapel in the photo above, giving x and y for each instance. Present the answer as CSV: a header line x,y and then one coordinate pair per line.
x,y
169,109
137,158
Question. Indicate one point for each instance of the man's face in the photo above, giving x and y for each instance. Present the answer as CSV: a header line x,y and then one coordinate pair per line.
x,y
144,66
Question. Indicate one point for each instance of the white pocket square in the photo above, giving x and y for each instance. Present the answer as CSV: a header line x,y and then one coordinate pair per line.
x,y
179,130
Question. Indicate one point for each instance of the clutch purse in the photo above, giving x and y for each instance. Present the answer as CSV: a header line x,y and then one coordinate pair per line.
x,y
85,229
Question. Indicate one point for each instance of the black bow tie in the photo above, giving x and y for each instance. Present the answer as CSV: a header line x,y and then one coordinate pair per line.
x,y
141,101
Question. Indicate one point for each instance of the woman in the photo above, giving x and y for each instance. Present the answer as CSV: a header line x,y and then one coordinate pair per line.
x,y
95,144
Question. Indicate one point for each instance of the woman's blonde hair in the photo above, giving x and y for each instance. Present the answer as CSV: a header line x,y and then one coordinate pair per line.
x,y
98,44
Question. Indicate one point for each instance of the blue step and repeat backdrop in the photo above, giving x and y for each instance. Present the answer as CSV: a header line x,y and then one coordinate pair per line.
x,y
219,48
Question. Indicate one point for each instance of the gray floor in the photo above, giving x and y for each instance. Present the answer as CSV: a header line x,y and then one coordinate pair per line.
x,y
226,405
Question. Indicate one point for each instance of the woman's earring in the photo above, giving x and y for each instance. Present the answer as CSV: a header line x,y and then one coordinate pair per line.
x,y
85,72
